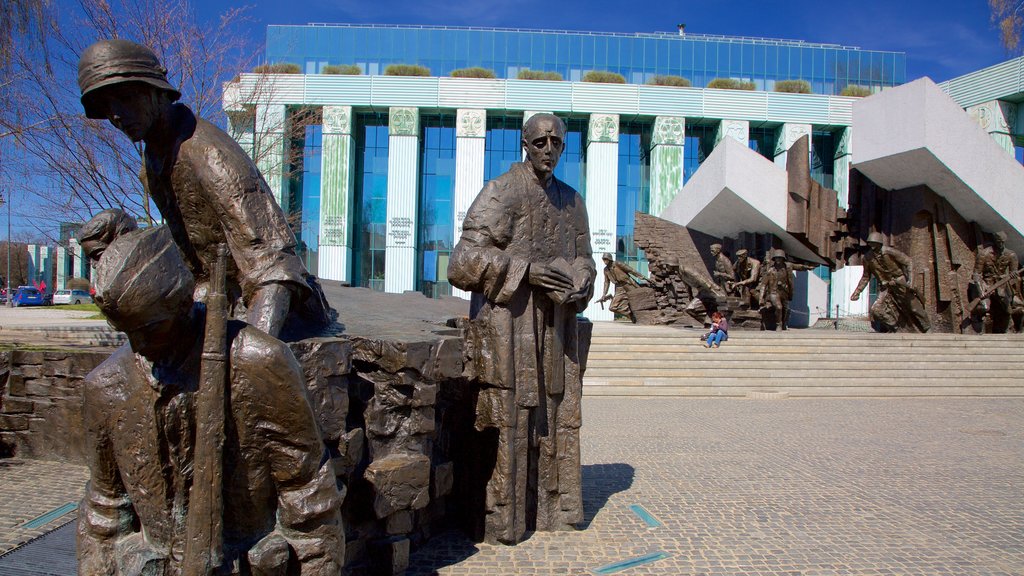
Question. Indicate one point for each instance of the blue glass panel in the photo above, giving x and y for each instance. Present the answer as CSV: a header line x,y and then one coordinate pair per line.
x,y
370,200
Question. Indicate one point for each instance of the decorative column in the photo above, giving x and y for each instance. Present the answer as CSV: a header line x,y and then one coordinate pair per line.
x,y
667,161
841,167
785,137
46,267
470,138
337,179
270,148
403,178
738,130
62,268
999,119
602,192
33,264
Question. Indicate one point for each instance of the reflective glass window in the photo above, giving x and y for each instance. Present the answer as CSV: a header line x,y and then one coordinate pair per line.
x,y
370,200
633,191
436,212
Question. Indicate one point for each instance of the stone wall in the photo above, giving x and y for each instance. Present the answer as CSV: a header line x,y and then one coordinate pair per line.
x,y
392,412
40,403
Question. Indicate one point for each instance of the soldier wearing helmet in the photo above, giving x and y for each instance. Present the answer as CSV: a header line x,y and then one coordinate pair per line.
x,y
899,305
996,275
777,289
625,279
206,187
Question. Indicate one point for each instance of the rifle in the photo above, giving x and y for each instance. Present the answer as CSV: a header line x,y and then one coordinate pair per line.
x,y
204,525
604,299
992,290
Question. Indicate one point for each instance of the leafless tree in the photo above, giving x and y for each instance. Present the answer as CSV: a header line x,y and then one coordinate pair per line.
x,y
73,166
1007,18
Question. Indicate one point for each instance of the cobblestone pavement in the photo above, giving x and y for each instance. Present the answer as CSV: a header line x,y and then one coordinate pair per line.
x,y
31,488
794,487
735,487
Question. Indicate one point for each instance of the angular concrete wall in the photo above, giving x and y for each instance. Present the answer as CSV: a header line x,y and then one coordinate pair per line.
x,y
916,135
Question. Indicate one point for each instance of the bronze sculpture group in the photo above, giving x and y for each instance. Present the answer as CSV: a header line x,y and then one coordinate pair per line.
x,y
205,456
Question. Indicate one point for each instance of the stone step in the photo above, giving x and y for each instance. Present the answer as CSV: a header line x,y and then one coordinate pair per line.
x,y
779,392
879,341
823,372
798,363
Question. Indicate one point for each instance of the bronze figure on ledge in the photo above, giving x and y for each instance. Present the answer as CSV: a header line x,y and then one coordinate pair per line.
x,y
525,253
625,280
208,190
777,288
204,454
723,273
899,306
995,284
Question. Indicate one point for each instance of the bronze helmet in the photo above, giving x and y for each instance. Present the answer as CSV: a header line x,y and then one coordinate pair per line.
x,y
876,238
109,62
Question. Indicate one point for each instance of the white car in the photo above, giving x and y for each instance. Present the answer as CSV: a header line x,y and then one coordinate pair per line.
x,y
71,297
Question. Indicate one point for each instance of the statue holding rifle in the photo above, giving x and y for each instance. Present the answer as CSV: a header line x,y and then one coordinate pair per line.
x,y
995,285
899,306
204,454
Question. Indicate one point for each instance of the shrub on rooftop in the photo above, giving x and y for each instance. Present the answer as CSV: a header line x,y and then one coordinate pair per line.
x,y
406,70
793,86
602,77
855,91
669,80
342,69
730,84
538,75
474,72
278,68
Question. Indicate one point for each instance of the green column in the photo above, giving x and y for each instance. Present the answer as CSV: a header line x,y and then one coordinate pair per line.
x,y
841,168
336,188
667,161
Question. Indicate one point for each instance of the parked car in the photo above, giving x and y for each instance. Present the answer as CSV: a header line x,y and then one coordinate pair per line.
x,y
72,297
28,296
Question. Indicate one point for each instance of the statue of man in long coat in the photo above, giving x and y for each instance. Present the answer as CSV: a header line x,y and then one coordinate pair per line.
x,y
525,254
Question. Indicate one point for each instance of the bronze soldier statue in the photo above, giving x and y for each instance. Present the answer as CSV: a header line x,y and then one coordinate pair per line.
x,y
96,234
996,279
776,292
207,189
625,279
204,455
748,274
525,255
703,295
724,274
899,306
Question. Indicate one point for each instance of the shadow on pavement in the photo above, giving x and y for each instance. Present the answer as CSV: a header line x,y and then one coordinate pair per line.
x,y
600,481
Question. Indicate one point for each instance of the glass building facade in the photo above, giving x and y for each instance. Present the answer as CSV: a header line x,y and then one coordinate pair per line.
x,y
638,57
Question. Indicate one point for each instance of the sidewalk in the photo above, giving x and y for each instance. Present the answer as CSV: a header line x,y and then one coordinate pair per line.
x,y
729,487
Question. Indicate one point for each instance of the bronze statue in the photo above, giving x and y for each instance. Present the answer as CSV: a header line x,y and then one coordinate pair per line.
x,y
776,292
724,274
995,284
625,279
899,305
96,234
748,274
204,454
525,254
207,189
703,296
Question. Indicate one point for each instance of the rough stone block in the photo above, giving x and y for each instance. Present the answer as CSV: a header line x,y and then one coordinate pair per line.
x,y
400,522
399,482
424,394
13,422
39,387
421,421
58,367
17,406
350,445
21,357
30,371
383,420
15,385
444,479
448,360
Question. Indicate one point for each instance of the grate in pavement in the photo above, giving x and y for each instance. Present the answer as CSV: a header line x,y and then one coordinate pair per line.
x,y
646,516
632,562
44,519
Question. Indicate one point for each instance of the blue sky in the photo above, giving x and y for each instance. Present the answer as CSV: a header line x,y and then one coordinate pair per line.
x,y
942,38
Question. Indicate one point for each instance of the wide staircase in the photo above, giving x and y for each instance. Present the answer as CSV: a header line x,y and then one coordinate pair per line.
x,y
630,360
